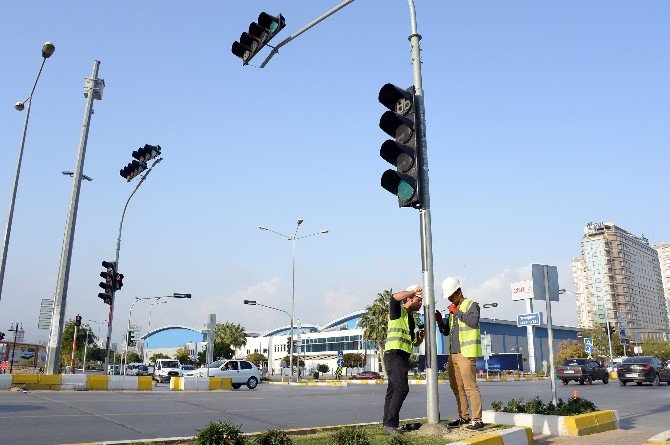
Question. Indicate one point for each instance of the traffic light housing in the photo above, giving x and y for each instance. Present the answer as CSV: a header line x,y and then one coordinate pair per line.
x,y
401,122
147,153
2,336
132,170
77,321
109,274
288,346
260,33
131,338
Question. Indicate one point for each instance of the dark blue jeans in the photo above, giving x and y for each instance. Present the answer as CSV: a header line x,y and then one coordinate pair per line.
x,y
397,367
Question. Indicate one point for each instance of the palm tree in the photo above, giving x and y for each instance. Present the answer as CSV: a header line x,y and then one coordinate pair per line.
x,y
374,322
230,333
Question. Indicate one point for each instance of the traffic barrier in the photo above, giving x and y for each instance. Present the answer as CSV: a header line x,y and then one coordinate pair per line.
x,y
37,381
73,381
97,382
659,439
579,425
194,383
5,381
509,436
591,423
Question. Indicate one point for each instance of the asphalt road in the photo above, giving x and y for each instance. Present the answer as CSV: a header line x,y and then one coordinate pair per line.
x,y
65,417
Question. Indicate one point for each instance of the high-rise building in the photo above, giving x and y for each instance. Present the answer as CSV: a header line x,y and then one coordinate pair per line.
x,y
618,278
664,258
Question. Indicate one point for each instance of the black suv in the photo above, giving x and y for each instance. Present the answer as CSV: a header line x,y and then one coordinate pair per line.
x,y
582,370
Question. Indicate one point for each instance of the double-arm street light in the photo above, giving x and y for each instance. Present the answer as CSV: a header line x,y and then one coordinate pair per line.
x,y
293,239
47,50
255,303
146,300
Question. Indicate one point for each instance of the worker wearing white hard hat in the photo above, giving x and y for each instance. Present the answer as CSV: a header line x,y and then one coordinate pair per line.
x,y
400,339
465,345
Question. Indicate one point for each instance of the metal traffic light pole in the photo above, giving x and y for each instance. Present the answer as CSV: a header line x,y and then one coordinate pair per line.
x,y
116,261
93,88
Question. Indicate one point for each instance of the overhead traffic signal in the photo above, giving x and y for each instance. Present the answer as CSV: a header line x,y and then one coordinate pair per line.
x,y
133,169
77,321
147,153
401,122
109,274
260,33
2,336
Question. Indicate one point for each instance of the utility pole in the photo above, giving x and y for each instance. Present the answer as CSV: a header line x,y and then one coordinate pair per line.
x,y
93,88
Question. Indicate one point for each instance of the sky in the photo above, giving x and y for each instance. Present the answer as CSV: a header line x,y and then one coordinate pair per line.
x,y
540,118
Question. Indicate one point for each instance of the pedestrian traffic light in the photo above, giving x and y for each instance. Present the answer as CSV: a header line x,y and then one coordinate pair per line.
x,y
2,336
260,33
147,153
133,169
108,285
77,321
131,338
401,122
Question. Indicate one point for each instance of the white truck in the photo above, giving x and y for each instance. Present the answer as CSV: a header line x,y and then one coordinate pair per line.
x,y
166,369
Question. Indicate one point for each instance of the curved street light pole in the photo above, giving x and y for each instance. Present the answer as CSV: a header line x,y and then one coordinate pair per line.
x,y
47,50
255,303
293,239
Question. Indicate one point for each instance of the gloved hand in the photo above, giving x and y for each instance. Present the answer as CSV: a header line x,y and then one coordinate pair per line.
x,y
452,308
438,316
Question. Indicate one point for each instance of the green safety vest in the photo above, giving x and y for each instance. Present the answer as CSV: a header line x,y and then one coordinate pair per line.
x,y
469,338
397,334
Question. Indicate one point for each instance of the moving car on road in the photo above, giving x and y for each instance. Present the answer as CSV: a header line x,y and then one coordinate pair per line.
x,y
643,369
582,370
166,369
241,372
366,375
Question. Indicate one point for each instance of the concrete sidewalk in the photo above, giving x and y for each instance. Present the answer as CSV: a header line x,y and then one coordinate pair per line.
x,y
615,437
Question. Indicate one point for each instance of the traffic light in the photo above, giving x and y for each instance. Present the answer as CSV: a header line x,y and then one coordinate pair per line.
x,y
260,33
77,321
147,153
131,338
117,281
133,169
108,285
288,345
2,336
401,122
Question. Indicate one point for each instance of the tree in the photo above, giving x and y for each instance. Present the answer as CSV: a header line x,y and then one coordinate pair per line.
x,y
66,341
374,322
230,333
157,356
322,368
295,360
221,351
95,354
659,349
352,360
257,358
183,356
569,349
601,343
133,357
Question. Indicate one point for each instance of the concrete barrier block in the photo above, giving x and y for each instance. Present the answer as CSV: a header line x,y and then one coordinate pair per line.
x,y
194,383
97,382
72,381
122,382
214,383
5,381
144,383
227,383
177,384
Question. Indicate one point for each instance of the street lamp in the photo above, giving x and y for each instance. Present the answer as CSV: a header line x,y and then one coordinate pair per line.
x,y
290,353
293,239
130,313
489,305
47,50
18,334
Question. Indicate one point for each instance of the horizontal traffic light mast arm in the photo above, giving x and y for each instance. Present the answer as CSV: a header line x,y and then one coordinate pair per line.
x,y
315,22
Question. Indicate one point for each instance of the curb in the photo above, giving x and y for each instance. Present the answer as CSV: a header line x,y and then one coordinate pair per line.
x,y
510,436
659,439
578,425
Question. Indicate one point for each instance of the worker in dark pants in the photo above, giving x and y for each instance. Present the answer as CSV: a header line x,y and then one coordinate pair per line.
x,y
400,339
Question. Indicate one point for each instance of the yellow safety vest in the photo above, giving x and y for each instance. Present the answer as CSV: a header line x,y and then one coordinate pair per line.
x,y
397,334
469,338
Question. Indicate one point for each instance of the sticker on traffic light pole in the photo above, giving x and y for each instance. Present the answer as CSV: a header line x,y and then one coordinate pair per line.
x,y
401,123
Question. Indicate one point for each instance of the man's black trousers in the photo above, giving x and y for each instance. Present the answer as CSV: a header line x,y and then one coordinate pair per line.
x,y
397,367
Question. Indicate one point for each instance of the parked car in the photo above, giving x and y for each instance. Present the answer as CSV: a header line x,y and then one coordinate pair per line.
x,y
28,355
582,370
366,375
642,369
166,369
241,372
187,369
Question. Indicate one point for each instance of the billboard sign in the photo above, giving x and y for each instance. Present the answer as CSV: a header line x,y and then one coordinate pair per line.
x,y
522,290
539,291
532,319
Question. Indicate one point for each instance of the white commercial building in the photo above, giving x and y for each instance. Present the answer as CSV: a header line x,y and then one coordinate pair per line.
x,y
618,278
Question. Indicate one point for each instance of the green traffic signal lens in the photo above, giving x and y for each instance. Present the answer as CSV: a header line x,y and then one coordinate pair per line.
x,y
405,190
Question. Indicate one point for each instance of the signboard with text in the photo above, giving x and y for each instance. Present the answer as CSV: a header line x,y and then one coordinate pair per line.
x,y
532,319
522,290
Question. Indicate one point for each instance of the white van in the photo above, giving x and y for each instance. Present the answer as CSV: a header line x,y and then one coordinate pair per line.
x,y
166,369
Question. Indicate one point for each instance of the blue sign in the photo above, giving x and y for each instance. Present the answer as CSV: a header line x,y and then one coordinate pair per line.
x,y
622,332
532,319
339,354
589,350
340,362
588,341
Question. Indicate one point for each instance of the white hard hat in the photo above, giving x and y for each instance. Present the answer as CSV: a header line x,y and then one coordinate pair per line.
x,y
413,287
449,286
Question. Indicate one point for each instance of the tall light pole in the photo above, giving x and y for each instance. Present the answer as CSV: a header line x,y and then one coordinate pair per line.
x,y
255,303
93,88
293,239
130,314
18,336
47,50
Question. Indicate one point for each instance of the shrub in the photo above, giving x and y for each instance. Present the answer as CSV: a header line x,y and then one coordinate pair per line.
x,y
274,437
323,368
220,433
496,405
350,436
574,406
399,440
315,375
